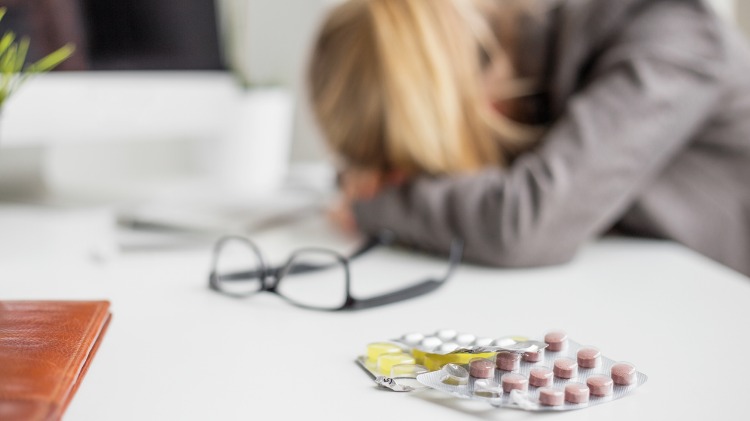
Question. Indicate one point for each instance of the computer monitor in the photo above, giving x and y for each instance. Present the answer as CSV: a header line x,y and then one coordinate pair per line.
x,y
144,71
150,72
121,35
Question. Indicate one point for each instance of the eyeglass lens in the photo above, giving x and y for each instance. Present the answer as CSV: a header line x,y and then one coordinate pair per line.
x,y
238,268
314,278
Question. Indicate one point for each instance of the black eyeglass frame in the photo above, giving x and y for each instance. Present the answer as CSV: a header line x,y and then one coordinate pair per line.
x,y
270,278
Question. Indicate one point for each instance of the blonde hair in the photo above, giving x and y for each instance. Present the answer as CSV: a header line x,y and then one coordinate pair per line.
x,y
396,84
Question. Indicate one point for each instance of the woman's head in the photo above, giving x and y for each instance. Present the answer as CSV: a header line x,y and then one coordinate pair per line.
x,y
398,85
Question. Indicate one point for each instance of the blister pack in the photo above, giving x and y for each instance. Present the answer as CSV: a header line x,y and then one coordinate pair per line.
x,y
556,374
416,353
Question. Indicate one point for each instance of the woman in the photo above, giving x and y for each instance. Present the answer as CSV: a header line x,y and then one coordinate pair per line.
x,y
527,131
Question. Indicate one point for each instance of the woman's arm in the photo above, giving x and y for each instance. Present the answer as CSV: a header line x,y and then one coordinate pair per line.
x,y
648,96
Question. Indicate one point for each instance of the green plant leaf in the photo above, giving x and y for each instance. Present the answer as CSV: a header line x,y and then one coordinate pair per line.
x,y
13,57
52,60
8,61
6,41
23,49
6,72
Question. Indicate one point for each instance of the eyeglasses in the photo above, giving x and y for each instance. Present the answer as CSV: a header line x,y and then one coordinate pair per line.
x,y
312,278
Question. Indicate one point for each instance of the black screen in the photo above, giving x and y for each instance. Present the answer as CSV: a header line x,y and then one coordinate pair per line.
x,y
121,34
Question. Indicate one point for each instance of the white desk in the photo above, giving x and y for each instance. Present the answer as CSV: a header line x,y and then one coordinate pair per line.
x,y
177,351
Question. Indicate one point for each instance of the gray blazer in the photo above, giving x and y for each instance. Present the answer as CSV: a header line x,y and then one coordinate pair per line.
x,y
650,135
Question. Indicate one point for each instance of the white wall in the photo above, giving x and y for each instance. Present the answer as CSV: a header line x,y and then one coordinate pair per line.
x,y
724,7
272,48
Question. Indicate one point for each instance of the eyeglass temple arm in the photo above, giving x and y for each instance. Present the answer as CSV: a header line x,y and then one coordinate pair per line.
x,y
414,290
400,295
370,244
238,276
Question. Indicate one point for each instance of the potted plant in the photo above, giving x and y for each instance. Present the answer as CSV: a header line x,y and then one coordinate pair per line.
x,y
14,71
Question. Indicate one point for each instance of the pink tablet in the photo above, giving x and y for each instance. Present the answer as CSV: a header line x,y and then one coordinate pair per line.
x,y
623,374
556,340
482,369
577,393
600,385
508,361
540,377
589,357
551,397
565,368
511,381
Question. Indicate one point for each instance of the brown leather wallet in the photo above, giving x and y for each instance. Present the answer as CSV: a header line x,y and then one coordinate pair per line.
x,y
45,350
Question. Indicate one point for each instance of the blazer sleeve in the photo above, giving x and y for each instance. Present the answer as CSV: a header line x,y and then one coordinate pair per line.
x,y
647,96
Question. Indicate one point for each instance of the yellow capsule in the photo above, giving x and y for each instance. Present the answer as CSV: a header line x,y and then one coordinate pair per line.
x,y
407,370
418,355
387,361
376,349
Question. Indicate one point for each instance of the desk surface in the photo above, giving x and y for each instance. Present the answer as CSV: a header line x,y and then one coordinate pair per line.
x,y
176,351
